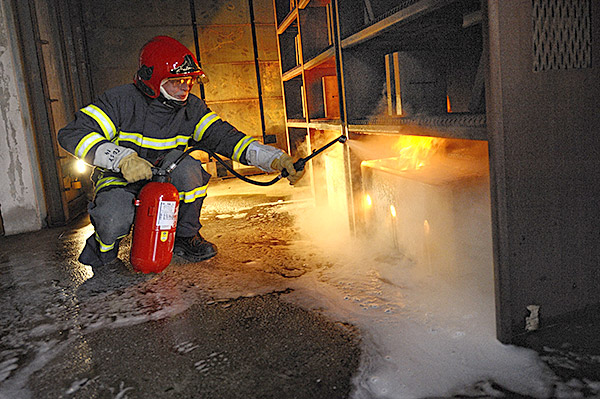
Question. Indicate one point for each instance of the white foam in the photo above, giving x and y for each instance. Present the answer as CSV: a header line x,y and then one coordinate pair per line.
x,y
422,335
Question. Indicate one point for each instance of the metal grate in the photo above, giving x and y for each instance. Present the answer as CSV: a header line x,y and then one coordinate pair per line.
x,y
562,37
376,18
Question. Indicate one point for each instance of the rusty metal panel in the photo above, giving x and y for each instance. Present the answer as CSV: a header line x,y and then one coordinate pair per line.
x,y
230,81
224,44
217,12
243,114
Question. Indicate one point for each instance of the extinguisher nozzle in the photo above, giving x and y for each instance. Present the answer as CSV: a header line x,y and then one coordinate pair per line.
x,y
170,168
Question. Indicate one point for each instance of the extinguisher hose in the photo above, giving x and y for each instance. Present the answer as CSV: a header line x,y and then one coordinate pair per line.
x,y
298,165
240,176
225,165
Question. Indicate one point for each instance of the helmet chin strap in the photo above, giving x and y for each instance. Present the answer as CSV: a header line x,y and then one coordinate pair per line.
x,y
170,97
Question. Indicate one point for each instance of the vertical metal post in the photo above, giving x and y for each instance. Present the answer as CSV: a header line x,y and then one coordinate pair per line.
x,y
257,70
348,157
337,45
196,41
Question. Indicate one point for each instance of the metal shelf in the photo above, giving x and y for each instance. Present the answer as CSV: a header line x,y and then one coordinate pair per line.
x,y
292,73
457,126
404,15
287,22
325,56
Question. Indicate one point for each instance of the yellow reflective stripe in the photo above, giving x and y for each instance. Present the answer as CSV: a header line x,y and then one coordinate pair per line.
x,y
109,181
108,127
86,144
241,146
104,247
152,143
204,124
191,196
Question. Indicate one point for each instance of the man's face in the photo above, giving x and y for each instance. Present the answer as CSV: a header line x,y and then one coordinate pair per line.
x,y
179,87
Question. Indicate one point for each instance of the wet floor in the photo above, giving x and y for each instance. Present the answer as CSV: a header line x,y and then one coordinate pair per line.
x,y
215,329
223,328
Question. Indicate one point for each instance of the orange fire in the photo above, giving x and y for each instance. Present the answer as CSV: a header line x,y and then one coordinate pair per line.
x,y
414,151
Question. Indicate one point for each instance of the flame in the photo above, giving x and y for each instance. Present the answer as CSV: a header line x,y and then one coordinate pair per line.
x,y
414,151
368,201
393,210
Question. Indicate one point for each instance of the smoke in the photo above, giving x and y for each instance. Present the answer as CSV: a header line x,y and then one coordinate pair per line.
x,y
418,285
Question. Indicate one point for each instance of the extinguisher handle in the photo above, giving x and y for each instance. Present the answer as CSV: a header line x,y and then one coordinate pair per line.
x,y
160,175
298,166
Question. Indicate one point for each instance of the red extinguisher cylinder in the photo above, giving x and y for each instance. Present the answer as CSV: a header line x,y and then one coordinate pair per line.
x,y
154,227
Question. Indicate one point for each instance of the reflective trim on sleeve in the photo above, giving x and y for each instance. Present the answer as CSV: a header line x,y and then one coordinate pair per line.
x,y
108,127
152,143
204,124
191,196
109,181
241,146
86,144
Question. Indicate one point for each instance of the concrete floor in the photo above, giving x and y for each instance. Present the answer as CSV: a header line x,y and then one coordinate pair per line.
x,y
216,329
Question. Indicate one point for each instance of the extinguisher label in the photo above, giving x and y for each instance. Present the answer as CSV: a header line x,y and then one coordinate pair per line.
x,y
167,215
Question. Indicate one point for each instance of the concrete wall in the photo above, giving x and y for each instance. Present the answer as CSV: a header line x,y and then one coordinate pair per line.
x,y
21,200
544,145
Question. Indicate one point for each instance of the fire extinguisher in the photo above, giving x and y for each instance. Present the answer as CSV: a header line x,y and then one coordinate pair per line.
x,y
157,205
155,223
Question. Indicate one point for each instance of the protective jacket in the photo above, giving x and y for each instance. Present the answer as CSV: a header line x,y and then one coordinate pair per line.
x,y
151,127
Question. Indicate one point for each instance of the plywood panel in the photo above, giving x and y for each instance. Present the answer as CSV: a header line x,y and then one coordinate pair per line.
x,y
263,12
230,81
275,120
269,75
117,30
243,114
266,38
217,12
222,44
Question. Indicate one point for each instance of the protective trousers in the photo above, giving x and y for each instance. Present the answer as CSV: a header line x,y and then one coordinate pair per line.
x,y
112,211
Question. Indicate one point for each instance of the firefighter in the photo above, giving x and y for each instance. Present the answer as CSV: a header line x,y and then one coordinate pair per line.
x,y
150,122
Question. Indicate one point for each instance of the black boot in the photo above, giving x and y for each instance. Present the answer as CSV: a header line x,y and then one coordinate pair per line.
x,y
92,256
194,249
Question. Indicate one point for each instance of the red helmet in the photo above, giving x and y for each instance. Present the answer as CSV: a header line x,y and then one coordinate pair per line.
x,y
161,58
